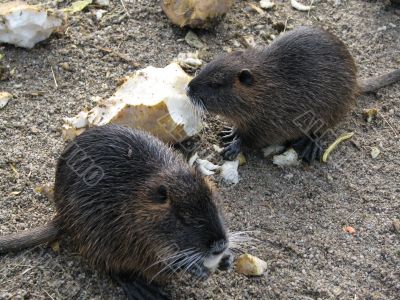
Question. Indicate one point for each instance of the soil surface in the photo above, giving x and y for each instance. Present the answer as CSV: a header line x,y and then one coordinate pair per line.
x,y
297,214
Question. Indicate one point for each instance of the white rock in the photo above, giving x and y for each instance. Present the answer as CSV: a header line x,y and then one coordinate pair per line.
x,y
4,98
100,13
288,158
25,25
375,152
152,99
266,4
102,2
229,172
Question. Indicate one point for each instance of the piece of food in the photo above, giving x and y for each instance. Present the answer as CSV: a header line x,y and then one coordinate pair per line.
x,y
272,150
301,7
152,99
195,13
250,265
288,158
25,25
4,98
229,171
342,138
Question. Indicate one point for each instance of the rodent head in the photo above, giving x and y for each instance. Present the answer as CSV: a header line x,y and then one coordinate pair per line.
x,y
223,85
181,217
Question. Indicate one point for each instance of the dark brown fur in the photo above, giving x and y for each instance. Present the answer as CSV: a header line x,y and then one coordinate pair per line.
x,y
129,203
263,92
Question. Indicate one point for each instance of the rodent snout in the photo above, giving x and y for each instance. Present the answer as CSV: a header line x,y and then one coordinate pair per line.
x,y
187,89
218,247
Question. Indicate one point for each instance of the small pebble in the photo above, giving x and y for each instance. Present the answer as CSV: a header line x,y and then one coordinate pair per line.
x,y
396,225
193,40
375,152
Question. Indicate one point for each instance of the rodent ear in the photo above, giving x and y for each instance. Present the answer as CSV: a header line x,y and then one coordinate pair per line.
x,y
245,76
160,195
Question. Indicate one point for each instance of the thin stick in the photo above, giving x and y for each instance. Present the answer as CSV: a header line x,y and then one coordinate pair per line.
x,y
308,14
54,77
120,55
123,5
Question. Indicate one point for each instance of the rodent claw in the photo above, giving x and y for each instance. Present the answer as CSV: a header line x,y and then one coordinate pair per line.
x,y
226,261
309,149
232,150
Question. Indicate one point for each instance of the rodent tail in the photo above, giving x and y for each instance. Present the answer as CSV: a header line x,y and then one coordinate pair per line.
x,y
374,83
29,238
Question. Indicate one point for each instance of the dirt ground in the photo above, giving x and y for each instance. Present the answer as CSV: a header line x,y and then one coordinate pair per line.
x,y
298,213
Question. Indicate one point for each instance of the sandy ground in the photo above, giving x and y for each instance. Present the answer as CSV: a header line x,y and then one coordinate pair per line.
x,y
299,212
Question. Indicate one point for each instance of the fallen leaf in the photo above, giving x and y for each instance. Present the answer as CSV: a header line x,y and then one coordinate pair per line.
x,y
77,6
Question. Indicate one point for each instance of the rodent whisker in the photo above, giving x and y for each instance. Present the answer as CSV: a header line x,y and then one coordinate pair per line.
x,y
171,261
194,259
239,237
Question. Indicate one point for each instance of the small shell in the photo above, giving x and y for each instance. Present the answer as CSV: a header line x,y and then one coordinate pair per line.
x,y
250,265
229,171
288,158
300,7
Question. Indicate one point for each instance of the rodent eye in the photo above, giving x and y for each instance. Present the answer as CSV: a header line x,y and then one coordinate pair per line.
x,y
160,195
246,77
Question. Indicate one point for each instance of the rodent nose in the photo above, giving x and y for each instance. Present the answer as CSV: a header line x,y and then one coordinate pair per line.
x,y
218,247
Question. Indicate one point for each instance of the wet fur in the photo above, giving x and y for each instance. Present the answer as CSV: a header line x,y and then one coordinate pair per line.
x,y
145,205
117,223
304,71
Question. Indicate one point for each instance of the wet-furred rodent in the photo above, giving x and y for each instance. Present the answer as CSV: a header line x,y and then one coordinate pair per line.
x,y
292,91
134,209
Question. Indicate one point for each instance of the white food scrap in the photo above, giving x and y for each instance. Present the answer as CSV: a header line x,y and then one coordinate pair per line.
x,y
152,99
25,25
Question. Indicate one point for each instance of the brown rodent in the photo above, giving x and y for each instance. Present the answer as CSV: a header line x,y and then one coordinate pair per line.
x,y
134,209
292,91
